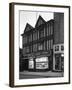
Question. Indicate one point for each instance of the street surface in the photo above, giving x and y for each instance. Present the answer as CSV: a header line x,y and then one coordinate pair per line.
x,y
48,74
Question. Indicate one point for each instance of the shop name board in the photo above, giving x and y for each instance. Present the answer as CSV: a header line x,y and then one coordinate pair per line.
x,y
42,59
58,48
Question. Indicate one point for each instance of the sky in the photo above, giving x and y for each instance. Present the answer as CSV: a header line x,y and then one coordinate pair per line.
x,y
31,18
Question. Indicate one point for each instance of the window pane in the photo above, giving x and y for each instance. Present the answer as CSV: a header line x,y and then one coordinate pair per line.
x,y
51,44
44,31
47,29
25,40
47,44
35,36
40,46
27,49
44,45
24,50
31,48
30,37
51,29
41,33
35,47
62,47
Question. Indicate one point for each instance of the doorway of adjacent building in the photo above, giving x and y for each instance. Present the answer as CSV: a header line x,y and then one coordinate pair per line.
x,y
59,62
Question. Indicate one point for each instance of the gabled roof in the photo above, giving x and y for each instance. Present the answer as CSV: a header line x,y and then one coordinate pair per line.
x,y
39,21
28,27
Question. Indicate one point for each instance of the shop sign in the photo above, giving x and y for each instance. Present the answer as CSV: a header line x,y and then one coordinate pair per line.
x,y
42,59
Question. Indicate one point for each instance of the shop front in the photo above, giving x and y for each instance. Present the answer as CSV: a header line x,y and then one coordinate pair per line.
x,y
58,58
40,63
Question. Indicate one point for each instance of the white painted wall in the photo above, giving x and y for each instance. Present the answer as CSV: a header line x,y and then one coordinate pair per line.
x,y
4,44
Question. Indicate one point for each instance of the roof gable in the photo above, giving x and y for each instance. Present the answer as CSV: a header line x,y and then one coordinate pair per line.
x,y
28,27
39,21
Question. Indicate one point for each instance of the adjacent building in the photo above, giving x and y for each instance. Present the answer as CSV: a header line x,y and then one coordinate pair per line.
x,y
58,47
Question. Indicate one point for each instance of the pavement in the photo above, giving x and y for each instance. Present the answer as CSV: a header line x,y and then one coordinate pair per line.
x,y
29,74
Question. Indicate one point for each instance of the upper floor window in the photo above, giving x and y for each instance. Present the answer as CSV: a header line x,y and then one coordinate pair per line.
x,y
51,29
62,47
31,48
40,46
30,37
34,47
27,49
47,30
56,48
34,35
51,43
24,39
41,33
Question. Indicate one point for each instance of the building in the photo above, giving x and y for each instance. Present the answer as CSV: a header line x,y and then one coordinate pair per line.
x,y
38,45
58,47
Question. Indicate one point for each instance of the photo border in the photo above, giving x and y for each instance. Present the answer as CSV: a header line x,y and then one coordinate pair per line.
x,y
11,43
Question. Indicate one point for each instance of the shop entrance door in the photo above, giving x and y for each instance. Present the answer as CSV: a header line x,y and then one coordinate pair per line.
x,y
26,64
58,62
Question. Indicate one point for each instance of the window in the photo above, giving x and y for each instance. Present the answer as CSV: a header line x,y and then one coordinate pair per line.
x,y
40,46
41,33
47,29
31,48
34,35
44,31
27,49
44,45
25,40
30,37
51,44
51,29
38,34
62,47
34,47
24,50
47,44
56,48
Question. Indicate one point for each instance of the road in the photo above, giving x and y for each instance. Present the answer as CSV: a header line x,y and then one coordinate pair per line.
x,y
30,75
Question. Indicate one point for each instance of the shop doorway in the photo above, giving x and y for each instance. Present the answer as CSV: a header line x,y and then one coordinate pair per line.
x,y
59,62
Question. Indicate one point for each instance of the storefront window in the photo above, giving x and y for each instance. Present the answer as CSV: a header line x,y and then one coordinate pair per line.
x,y
42,63
31,64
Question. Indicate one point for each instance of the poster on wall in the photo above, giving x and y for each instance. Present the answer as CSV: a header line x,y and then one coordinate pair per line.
x,y
39,44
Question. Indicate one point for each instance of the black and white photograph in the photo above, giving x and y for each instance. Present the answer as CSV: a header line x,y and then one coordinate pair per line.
x,y
41,44
42,49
